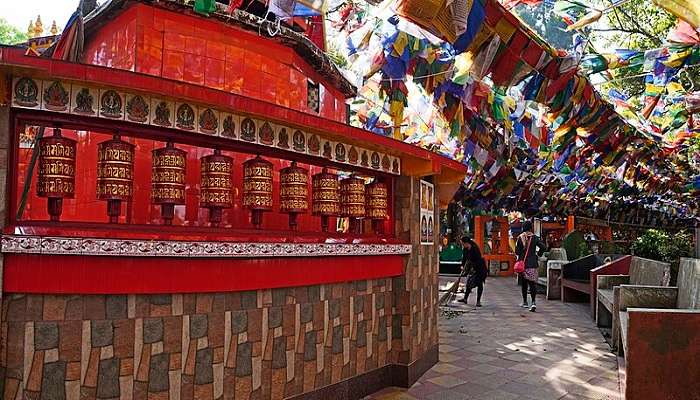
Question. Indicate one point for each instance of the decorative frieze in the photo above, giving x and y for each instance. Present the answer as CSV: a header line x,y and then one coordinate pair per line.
x,y
113,104
151,248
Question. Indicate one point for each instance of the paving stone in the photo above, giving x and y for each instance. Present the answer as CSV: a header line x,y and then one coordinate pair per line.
x,y
334,308
116,307
447,381
239,322
45,335
249,299
279,352
244,360
102,333
444,368
158,380
310,346
362,334
274,317
198,326
108,379
306,313
53,381
203,371
152,330
337,340
381,334
160,299
279,297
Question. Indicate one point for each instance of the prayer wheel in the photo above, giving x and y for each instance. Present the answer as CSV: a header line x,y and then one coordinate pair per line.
x,y
376,206
352,201
115,174
294,192
56,171
216,185
325,197
257,188
168,180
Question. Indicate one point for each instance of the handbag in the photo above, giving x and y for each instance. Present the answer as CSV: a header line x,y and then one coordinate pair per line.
x,y
520,265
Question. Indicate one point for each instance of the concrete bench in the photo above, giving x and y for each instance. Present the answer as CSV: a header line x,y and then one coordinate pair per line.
x,y
620,266
642,272
576,276
551,282
659,330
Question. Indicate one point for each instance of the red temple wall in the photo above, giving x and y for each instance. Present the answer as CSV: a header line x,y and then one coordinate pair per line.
x,y
86,208
209,53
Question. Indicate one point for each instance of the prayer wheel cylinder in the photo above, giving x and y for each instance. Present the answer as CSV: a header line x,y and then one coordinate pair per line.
x,y
325,197
56,179
352,201
377,200
168,180
115,174
294,192
215,191
257,188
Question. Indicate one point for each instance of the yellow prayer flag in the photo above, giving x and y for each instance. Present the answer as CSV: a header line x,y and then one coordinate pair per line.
x,y
504,29
687,10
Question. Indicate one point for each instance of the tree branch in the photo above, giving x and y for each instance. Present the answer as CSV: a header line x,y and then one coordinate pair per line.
x,y
639,29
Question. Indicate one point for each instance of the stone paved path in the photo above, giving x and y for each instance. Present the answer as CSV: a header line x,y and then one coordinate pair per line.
x,y
502,352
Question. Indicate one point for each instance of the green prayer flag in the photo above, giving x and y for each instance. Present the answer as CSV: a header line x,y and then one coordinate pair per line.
x,y
204,7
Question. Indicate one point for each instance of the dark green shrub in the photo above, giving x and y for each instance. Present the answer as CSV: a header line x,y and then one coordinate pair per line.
x,y
662,246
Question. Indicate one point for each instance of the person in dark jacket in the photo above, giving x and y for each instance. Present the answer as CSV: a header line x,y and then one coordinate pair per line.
x,y
474,267
528,244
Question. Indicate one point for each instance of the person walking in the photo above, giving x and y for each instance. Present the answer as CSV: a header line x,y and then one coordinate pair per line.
x,y
474,267
527,249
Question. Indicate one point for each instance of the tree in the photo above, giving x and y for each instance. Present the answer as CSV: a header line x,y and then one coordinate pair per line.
x,y
9,34
542,19
637,25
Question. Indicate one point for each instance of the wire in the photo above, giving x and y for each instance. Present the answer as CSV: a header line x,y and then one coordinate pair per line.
x,y
641,75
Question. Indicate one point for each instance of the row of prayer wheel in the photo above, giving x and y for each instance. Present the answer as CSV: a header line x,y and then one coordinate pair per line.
x,y
350,197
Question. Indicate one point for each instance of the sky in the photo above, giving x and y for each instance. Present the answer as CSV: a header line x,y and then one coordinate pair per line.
x,y
19,13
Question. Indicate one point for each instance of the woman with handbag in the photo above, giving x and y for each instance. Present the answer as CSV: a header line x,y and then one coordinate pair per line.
x,y
474,267
526,249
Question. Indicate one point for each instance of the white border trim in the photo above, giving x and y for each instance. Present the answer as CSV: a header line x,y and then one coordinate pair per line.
x,y
172,248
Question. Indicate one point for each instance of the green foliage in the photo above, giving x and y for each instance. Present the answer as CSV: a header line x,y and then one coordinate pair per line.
x,y
637,25
542,19
572,244
10,34
337,56
584,250
662,246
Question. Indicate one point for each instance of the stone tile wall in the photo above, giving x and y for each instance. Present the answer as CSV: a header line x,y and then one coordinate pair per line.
x,y
265,344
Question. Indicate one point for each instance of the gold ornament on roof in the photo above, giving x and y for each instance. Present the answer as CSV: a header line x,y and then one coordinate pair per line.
x,y
38,27
30,29
54,29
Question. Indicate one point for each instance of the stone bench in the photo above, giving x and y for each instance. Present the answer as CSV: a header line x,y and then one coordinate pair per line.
x,y
551,282
659,330
642,272
576,276
620,266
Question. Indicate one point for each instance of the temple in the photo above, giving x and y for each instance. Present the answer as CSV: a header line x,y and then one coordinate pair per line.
x,y
187,214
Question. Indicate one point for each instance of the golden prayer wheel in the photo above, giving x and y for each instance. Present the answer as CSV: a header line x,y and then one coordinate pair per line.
x,y
216,184
325,197
352,201
115,174
168,180
257,188
56,171
294,192
376,207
